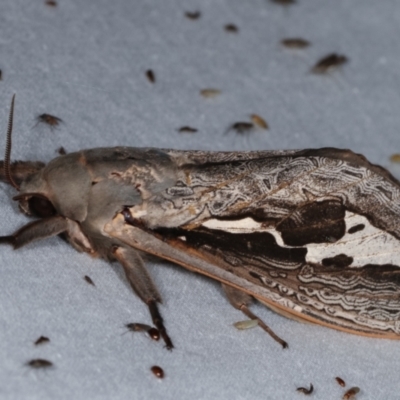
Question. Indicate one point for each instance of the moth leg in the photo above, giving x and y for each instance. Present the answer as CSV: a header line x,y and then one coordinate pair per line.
x,y
37,230
143,286
241,300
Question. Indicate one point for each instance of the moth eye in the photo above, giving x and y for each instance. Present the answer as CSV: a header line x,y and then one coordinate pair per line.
x,y
41,207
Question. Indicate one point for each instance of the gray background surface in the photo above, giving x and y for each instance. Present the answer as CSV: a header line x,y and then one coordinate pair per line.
x,y
85,62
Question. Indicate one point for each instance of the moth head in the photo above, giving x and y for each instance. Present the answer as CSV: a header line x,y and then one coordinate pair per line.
x,y
58,188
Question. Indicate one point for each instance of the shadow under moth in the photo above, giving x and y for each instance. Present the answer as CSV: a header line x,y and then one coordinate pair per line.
x,y
312,234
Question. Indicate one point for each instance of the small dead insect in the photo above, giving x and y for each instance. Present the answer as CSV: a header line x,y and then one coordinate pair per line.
x,y
38,363
258,121
247,324
395,158
351,393
157,371
187,129
340,381
232,28
150,76
329,63
210,93
241,127
61,151
49,120
88,279
193,15
305,390
295,43
41,340
51,3
1,75
137,327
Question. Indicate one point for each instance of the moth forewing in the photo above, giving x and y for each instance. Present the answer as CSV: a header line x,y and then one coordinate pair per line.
x,y
313,234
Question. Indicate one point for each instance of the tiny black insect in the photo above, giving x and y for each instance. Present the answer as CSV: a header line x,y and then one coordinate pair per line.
x,y
51,3
328,63
138,327
193,15
38,363
88,279
157,371
241,127
61,151
150,75
187,129
305,390
284,2
231,28
41,340
1,75
49,120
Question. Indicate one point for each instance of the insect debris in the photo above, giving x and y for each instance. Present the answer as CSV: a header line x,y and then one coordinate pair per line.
x,y
258,121
150,76
89,280
210,93
39,363
295,43
305,390
1,75
232,28
193,15
247,324
138,327
329,63
157,371
51,3
395,158
187,129
351,393
48,119
340,381
41,340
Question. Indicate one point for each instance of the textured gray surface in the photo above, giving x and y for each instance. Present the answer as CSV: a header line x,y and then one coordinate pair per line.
x,y
85,63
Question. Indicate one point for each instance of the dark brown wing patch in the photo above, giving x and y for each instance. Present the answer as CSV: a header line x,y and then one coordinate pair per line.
x,y
316,222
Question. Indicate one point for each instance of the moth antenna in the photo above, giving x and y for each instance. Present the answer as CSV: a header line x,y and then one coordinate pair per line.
x,y
7,157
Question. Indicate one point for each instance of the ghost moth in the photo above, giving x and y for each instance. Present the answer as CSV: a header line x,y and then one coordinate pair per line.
x,y
312,234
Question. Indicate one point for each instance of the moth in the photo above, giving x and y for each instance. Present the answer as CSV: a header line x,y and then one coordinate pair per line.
x,y
313,234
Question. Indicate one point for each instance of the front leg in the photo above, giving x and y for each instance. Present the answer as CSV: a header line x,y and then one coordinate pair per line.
x,y
143,286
